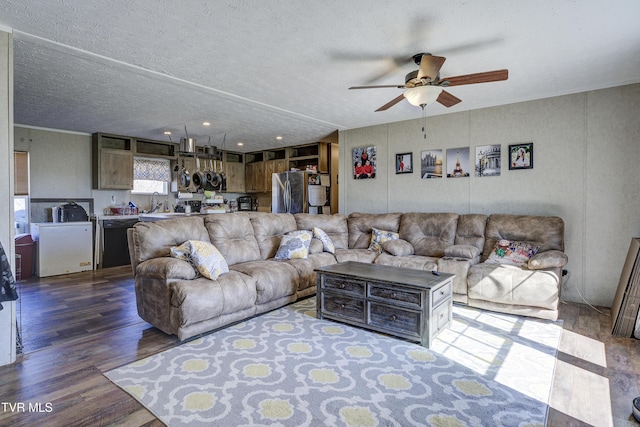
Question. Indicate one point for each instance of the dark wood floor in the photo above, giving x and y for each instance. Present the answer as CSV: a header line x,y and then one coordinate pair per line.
x,y
77,326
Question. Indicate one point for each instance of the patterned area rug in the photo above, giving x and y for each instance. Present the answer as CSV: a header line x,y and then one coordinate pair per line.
x,y
287,368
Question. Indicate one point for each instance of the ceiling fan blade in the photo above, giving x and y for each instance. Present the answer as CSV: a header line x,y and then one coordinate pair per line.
x,y
430,66
377,87
488,76
448,100
391,103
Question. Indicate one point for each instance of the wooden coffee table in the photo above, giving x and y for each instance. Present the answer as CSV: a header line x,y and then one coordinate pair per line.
x,y
403,302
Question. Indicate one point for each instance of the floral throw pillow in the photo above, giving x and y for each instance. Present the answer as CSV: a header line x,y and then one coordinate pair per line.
x,y
294,245
378,237
206,258
512,252
327,243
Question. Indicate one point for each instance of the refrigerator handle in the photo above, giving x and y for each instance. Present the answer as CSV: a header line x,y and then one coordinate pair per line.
x,y
287,196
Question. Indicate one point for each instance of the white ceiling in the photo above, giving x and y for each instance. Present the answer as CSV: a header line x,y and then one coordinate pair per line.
x,y
261,69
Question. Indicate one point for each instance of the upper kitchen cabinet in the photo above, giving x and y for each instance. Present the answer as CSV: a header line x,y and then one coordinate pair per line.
x,y
112,162
233,166
309,156
149,148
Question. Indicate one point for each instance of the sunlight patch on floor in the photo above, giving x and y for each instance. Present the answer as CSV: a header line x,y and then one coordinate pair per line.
x,y
584,348
577,390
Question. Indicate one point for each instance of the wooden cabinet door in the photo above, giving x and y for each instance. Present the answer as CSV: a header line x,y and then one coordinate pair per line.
x,y
235,177
116,169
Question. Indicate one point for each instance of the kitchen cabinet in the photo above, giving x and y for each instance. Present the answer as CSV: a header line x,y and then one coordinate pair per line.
x,y
254,177
112,162
234,168
317,154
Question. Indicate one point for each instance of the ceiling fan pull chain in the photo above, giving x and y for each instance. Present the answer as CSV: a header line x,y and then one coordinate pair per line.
x,y
424,121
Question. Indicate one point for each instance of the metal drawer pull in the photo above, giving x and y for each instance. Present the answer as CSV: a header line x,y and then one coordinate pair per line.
x,y
393,295
393,317
342,306
342,286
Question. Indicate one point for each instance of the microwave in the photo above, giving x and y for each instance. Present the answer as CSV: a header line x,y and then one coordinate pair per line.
x,y
245,203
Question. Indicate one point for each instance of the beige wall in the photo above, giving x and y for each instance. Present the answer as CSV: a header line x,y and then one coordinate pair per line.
x,y
586,156
8,314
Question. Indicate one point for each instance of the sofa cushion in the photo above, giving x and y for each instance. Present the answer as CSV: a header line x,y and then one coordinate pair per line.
x,y
202,299
269,228
470,230
548,259
462,251
334,225
429,233
155,239
512,253
508,284
417,262
294,245
274,279
398,247
358,255
233,236
361,224
545,231
306,267
205,258
378,237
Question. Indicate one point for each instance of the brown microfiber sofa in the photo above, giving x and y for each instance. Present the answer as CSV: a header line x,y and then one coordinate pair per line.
x,y
174,298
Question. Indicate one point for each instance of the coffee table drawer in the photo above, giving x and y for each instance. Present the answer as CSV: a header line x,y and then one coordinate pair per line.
x,y
344,285
412,298
441,318
343,306
442,294
395,319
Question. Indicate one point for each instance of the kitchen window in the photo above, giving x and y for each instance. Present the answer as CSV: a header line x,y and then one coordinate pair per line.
x,y
21,191
151,175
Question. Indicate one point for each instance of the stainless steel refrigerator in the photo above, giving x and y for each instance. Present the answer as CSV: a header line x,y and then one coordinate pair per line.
x,y
297,191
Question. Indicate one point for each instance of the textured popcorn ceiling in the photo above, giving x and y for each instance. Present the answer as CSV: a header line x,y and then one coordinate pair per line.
x,y
259,69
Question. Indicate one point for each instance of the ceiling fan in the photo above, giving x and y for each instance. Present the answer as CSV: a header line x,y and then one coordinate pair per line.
x,y
424,85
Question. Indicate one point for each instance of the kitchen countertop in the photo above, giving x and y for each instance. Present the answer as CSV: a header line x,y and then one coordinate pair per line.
x,y
151,216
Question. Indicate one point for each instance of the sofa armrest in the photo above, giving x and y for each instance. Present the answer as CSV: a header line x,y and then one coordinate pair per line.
x,y
166,268
548,259
398,247
462,251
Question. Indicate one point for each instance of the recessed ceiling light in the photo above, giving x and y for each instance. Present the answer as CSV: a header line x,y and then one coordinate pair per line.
x,y
240,144
206,124
278,138
167,132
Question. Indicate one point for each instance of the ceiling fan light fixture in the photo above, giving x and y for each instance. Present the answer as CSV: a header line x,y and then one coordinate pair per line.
x,y
422,95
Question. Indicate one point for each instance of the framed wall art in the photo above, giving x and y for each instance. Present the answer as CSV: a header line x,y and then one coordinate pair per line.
x,y
521,156
488,158
364,162
431,164
404,163
458,164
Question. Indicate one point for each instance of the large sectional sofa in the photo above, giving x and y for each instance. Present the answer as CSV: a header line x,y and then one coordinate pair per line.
x,y
175,298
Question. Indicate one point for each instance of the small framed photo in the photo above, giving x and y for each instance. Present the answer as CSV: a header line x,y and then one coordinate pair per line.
x,y
488,160
431,164
364,162
404,163
521,156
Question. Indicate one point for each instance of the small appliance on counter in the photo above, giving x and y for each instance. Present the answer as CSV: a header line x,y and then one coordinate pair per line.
x,y
70,212
245,203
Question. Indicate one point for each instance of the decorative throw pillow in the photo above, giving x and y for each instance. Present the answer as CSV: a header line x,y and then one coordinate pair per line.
x,y
205,257
512,252
378,237
294,245
327,243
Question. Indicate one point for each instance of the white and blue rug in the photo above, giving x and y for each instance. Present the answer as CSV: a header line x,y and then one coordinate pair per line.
x,y
287,368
